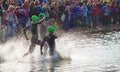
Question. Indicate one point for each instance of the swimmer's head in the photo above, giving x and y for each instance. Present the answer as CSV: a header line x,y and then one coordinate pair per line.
x,y
42,15
50,29
34,18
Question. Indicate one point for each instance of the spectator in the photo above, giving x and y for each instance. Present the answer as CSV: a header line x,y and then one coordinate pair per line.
x,y
33,11
119,13
1,13
106,18
5,5
89,14
72,21
84,11
38,8
46,10
77,13
67,18
4,22
101,13
12,20
26,8
95,12
67,2
115,12
61,9
119,1
52,10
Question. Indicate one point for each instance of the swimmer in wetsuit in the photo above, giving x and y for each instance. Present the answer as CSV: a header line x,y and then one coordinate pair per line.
x,y
50,39
43,32
34,31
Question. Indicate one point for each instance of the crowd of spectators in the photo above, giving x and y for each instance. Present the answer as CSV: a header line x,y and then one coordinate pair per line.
x,y
16,14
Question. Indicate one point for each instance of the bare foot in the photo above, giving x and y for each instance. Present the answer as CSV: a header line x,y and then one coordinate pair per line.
x,y
27,38
25,54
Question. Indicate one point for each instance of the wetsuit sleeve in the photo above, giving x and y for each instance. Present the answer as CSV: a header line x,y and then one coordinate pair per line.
x,y
40,21
55,36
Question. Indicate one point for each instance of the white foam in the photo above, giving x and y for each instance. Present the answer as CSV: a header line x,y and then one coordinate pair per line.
x,y
14,50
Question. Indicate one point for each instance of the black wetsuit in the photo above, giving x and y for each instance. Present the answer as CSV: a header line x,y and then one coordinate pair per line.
x,y
50,39
34,32
34,39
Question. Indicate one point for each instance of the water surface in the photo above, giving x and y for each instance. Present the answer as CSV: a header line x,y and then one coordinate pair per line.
x,y
81,52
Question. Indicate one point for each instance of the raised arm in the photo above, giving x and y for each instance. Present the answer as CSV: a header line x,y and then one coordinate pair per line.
x,y
40,21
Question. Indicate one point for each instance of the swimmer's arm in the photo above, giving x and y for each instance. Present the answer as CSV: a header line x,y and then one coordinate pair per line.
x,y
40,21
55,35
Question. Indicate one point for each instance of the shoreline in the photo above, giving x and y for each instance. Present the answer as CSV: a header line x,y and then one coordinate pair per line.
x,y
61,32
96,30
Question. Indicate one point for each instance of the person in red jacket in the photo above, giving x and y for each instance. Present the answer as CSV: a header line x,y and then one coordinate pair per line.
x,y
94,14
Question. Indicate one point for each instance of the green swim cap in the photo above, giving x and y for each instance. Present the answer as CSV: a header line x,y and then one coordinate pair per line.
x,y
50,28
41,15
34,18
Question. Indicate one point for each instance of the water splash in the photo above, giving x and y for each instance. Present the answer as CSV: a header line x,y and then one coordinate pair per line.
x,y
88,53
14,49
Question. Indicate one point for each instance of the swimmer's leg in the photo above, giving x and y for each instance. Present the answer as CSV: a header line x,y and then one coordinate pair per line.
x,y
31,49
51,51
45,49
25,34
38,42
